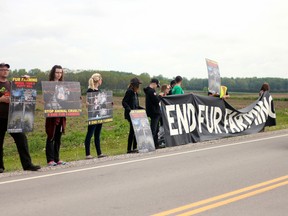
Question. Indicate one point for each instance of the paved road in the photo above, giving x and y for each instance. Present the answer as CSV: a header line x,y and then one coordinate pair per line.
x,y
154,183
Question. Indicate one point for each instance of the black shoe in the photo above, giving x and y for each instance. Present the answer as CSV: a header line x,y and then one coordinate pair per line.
x,y
1,170
101,156
132,151
33,167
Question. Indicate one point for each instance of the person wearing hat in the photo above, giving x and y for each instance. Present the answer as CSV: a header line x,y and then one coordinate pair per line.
x,y
131,102
94,83
153,108
19,138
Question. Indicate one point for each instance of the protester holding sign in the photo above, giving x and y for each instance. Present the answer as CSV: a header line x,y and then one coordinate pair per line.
x,y
131,102
153,108
54,126
19,138
177,89
94,82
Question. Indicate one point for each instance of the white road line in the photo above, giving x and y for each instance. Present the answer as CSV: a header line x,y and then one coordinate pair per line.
x,y
139,160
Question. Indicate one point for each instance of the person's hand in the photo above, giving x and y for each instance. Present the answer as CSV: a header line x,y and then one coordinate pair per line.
x,y
5,99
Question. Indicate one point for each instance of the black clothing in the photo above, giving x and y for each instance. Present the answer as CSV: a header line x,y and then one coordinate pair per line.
x,y
53,146
153,111
21,142
152,102
5,89
130,102
93,130
19,138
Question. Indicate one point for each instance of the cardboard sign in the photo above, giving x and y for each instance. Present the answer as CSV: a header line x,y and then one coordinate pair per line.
x,y
61,99
22,105
214,79
100,108
142,131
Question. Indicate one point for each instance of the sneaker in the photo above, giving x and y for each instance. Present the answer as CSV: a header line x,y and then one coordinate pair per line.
x,y
33,167
1,170
52,163
102,156
89,157
61,163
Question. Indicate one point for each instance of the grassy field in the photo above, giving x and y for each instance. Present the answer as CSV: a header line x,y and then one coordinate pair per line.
x,y
114,134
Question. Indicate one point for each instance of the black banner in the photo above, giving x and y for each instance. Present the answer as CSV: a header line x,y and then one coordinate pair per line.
x,y
191,118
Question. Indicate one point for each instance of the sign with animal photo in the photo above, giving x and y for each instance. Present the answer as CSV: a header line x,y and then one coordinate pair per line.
x,y
214,79
22,105
100,107
142,131
61,99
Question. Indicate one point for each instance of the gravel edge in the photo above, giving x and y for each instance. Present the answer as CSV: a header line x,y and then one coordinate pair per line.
x,y
190,146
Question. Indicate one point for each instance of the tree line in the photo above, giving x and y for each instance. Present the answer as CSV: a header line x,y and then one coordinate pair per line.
x,y
119,81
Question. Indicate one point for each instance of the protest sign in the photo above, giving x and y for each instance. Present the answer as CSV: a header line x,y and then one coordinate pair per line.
x,y
142,131
22,105
61,99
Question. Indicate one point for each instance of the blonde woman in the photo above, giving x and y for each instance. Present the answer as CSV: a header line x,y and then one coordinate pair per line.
x,y
94,83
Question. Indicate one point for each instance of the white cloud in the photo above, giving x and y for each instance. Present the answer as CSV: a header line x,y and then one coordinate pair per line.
x,y
247,38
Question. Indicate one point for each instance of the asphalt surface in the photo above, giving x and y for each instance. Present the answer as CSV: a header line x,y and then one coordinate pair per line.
x,y
147,184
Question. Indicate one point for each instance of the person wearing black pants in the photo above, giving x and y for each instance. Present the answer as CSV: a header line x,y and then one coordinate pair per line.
x,y
153,108
53,144
54,126
94,83
131,102
19,138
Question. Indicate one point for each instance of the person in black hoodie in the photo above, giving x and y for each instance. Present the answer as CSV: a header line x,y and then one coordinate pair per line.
x,y
131,102
153,108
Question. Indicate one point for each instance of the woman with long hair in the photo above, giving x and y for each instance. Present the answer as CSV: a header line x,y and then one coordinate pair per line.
x,y
131,102
54,126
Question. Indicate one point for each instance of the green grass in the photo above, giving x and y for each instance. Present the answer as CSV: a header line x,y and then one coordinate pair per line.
x,y
113,136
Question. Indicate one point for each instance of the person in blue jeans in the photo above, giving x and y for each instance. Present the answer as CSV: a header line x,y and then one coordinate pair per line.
x,y
94,82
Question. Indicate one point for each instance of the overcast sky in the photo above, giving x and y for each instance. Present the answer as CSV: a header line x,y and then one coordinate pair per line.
x,y
170,37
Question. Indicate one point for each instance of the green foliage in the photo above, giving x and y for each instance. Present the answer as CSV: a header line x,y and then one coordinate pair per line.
x,y
119,81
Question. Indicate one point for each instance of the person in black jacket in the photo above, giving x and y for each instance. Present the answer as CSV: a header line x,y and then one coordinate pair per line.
x,y
131,102
20,139
153,108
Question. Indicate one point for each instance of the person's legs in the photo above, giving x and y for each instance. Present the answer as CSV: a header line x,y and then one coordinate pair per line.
x,y
131,138
23,150
57,143
90,132
155,129
3,129
97,138
49,150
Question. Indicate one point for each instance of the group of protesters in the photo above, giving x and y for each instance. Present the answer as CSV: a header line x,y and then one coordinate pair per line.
x,y
55,126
